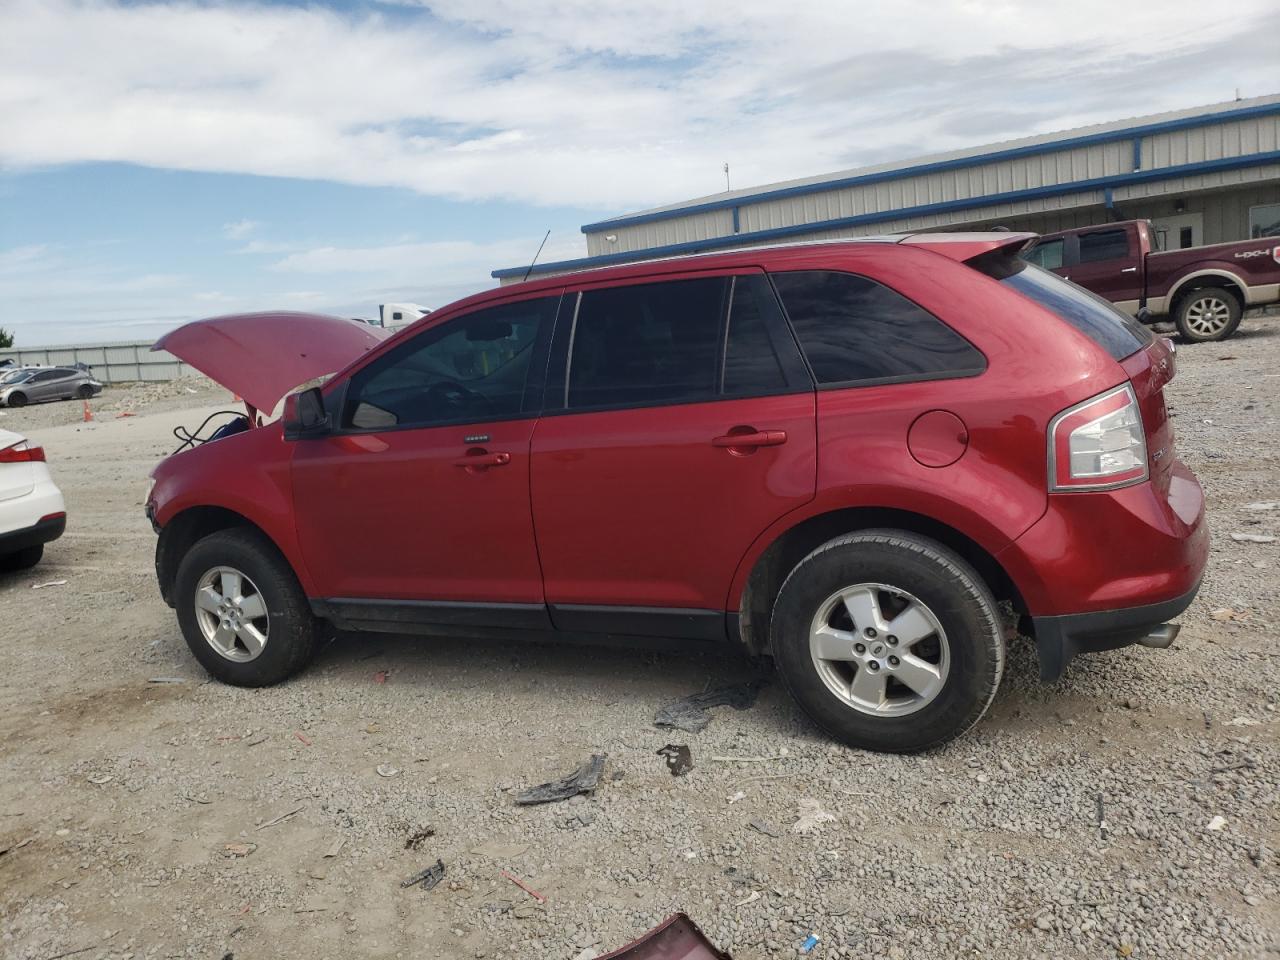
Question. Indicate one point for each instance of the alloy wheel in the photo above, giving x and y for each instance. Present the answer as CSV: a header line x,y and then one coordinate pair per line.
x,y
232,614
1208,315
879,649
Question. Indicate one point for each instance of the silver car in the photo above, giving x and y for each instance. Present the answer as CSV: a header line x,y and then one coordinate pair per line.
x,y
35,385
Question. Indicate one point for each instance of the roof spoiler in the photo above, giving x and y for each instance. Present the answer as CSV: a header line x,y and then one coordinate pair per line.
x,y
968,246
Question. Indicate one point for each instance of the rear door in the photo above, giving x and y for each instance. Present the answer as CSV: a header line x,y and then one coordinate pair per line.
x,y
679,424
1107,262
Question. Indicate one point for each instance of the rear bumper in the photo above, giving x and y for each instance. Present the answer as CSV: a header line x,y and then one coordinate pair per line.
x,y
42,531
1100,570
1060,638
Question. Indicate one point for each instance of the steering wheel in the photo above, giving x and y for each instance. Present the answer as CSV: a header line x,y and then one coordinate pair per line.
x,y
454,396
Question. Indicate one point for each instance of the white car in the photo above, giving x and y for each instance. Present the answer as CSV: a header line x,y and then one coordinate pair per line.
x,y
32,511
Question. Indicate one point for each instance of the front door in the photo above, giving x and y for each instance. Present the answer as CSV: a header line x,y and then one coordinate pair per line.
x,y
679,425
421,495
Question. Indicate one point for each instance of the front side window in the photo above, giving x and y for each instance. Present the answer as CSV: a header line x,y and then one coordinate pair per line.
x,y
1047,254
854,330
647,344
471,369
1103,245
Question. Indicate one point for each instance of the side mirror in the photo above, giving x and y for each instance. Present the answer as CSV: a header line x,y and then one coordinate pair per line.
x,y
304,415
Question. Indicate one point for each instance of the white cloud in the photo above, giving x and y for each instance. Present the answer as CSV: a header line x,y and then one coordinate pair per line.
x,y
587,102
240,229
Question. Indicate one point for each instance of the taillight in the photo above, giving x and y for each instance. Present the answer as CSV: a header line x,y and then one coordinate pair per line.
x,y
1275,254
1098,444
22,453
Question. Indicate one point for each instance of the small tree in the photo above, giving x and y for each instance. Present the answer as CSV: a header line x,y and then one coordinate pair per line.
x,y
6,339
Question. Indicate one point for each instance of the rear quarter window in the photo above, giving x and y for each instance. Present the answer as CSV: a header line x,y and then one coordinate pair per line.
x,y
1112,329
857,332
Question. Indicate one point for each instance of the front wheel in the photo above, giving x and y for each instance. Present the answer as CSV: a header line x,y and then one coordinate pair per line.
x,y
84,392
242,611
17,400
889,641
1208,314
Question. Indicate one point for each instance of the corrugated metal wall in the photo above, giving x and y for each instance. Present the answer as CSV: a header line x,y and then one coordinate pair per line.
x,y
1214,141
118,362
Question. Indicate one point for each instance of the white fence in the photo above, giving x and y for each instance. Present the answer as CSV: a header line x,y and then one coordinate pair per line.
x,y
118,362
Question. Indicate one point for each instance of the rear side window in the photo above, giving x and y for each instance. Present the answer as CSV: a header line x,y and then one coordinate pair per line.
x,y
1114,331
649,344
752,361
856,331
1103,245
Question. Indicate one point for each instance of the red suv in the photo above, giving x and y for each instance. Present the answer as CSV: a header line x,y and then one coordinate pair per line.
x,y
843,455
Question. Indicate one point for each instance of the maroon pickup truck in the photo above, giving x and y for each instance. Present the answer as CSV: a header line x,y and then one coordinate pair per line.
x,y
1204,290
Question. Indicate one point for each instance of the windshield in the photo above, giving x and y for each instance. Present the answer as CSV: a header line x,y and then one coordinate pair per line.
x,y
1113,330
16,376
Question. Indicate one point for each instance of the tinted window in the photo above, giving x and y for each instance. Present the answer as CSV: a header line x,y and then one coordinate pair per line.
x,y
751,361
48,375
1103,245
647,344
470,369
1047,254
1114,331
856,330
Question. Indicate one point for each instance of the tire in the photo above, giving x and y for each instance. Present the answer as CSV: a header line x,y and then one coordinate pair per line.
x,y
23,559
288,627
950,614
17,400
1207,314
84,392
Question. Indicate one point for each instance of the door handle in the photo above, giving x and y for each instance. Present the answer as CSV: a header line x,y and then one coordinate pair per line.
x,y
758,438
1129,270
482,461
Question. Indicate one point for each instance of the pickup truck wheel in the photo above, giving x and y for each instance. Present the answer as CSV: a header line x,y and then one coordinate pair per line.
x,y
888,640
1211,313
242,611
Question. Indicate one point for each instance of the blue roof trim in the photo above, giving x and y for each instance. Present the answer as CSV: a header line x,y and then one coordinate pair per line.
x,y
882,216
902,173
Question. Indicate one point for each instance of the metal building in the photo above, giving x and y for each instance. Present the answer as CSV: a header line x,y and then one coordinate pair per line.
x,y
1203,175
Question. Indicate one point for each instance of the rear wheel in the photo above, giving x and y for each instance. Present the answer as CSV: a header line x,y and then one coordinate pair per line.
x,y
888,640
1208,314
17,399
22,559
242,611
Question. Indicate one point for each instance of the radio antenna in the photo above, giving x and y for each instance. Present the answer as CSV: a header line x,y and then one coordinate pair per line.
x,y
535,257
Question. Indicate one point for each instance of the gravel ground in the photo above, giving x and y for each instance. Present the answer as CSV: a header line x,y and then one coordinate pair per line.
x,y
1131,810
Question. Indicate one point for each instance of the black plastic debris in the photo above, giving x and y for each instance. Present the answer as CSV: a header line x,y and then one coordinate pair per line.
x,y
583,780
691,712
428,877
679,759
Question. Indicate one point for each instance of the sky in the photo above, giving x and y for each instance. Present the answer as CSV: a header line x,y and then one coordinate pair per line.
x,y
165,161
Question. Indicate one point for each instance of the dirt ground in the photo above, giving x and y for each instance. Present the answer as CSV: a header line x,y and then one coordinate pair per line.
x,y
1132,809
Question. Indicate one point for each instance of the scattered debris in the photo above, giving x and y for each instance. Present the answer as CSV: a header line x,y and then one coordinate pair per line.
x,y
262,739
1238,537
415,839
679,759
1229,613
234,850
387,770
691,713
167,680
810,942
302,738
584,818
1243,722
677,936
523,886
1102,818
755,895
811,816
428,877
17,846
48,583
583,780
739,795
765,827
335,847
781,756
495,850
380,677
280,819
1263,505
1217,823
100,780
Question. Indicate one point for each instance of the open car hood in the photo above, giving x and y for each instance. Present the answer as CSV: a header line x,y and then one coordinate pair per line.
x,y
262,356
